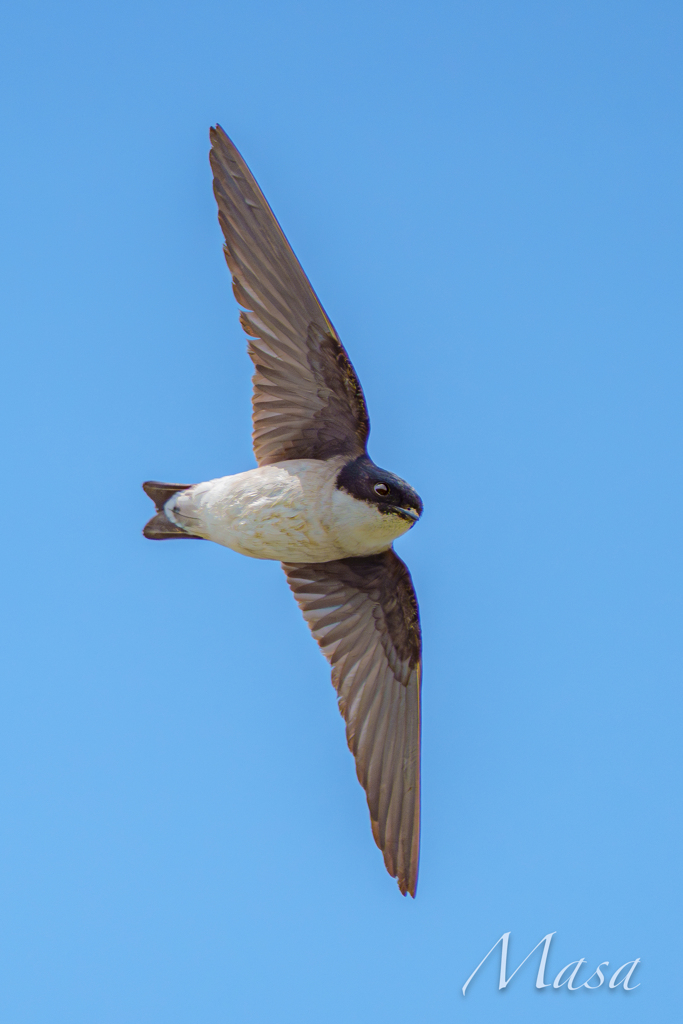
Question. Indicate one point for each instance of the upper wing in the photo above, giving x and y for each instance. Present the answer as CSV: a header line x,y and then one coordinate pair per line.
x,y
363,613
308,402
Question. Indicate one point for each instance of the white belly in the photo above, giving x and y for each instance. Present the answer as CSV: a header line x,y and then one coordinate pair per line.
x,y
290,511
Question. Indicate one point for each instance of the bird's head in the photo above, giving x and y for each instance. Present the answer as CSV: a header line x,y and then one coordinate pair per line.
x,y
385,491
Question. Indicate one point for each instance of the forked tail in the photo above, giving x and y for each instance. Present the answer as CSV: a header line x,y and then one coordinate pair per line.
x,y
160,526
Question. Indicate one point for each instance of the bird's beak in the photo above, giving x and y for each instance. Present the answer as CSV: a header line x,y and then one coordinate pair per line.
x,y
407,513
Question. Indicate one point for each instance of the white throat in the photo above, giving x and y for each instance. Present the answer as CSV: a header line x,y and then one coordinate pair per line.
x,y
360,528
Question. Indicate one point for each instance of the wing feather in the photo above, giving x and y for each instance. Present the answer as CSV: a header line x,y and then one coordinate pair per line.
x,y
306,392
364,615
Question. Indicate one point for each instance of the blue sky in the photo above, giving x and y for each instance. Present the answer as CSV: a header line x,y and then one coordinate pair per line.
x,y
486,196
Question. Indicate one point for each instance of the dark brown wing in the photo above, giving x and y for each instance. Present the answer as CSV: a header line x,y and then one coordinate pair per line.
x,y
363,613
308,402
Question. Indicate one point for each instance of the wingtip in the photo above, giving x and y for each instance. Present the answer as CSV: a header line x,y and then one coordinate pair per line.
x,y
218,134
408,886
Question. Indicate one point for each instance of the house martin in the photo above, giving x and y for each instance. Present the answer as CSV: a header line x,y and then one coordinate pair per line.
x,y
318,504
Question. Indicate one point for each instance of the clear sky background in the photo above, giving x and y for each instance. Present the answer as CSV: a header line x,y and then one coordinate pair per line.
x,y
487,197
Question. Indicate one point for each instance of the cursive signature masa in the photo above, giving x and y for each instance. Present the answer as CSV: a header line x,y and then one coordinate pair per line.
x,y
563,977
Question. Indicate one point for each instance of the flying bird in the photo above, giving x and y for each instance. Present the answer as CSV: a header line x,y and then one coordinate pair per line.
x,y
318,504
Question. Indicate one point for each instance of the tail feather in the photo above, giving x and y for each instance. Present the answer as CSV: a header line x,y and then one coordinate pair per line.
x,y
160,526
160,493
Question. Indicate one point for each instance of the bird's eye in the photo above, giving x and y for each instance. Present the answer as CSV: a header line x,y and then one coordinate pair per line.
x,y
382,490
